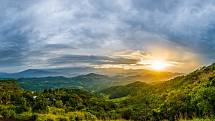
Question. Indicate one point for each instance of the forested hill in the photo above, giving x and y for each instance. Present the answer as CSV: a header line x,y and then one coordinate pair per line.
x,y
51,105
128,90
188,96
201,77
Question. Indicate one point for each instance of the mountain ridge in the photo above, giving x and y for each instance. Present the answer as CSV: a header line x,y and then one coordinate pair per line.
x,y
76,71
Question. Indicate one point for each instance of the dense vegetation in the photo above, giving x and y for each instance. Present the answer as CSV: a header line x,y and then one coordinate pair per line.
x,y
57,104
184,97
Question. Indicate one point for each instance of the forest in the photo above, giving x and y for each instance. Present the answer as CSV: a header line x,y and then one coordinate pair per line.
x,y
186,97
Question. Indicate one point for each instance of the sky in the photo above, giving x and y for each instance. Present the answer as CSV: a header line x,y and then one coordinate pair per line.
x,y
127,34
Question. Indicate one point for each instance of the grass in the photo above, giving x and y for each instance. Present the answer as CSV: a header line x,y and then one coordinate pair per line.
x,y
197,119
116,100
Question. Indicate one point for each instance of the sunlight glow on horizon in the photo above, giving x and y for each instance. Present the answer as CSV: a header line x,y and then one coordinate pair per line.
x,y
156,64
159,65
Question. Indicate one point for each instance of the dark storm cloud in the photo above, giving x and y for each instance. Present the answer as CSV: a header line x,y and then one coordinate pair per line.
x,y
13,46
38,32
71,59
58,46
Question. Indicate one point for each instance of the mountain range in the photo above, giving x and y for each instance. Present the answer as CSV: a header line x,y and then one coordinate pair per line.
x,y
67,72
87,78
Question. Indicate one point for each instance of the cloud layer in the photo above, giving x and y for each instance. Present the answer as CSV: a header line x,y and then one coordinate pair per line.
x,y
51,33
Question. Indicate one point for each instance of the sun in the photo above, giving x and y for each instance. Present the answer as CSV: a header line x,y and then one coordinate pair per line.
x,y
158,65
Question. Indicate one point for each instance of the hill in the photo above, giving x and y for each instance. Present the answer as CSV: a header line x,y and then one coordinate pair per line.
x,y
128,90
89,81
51,105
187,96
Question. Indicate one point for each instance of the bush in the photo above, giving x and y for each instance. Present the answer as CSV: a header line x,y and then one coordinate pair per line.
x,y
25,116
62,119
80,116
8,114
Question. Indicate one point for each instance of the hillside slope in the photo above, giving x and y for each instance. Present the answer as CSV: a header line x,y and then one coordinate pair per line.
x,y
132,89
191,95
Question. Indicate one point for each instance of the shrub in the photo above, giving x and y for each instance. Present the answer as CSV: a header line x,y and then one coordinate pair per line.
x,y
8,114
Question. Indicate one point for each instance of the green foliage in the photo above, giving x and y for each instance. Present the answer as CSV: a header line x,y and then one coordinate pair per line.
x,y
24,116
207,119
133,89
187,97
80,116
8,114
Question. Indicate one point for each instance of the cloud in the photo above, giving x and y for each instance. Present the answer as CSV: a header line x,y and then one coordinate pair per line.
x,y
179,58
40,33
90,60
